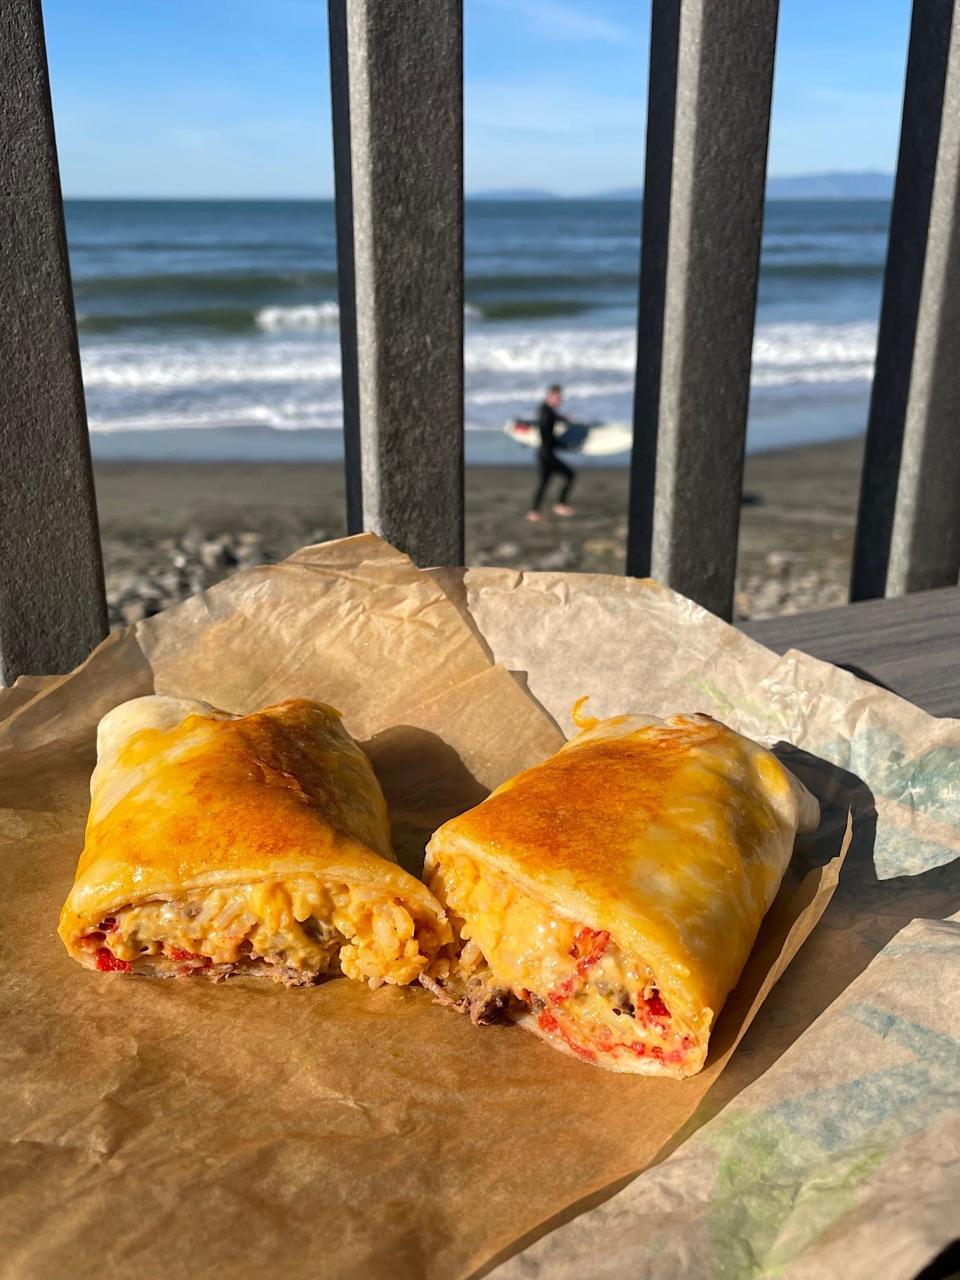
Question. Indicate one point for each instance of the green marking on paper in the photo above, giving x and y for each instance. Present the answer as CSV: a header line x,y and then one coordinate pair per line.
x,y
928,783
821,1202
922,948
766,1209
727,702
784,1176
938,1054
751,1196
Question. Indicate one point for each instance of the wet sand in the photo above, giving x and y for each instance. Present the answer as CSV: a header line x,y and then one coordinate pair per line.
x,y
170,528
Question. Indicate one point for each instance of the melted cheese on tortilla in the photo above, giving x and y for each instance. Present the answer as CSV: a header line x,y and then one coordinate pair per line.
x,y
258,841
672,837
598,1004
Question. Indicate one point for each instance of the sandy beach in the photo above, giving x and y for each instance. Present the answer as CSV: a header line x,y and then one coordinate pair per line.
x,y
171,528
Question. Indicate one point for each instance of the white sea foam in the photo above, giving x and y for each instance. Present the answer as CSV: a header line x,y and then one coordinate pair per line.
x,y
283,416
547,351
521,392
322,315
783,353
787,354
292,380
160,367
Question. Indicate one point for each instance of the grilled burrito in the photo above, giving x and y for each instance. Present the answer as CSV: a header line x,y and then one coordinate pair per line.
x,y
251,845
608,898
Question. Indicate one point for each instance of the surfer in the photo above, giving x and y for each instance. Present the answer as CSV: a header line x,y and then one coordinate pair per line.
x,y
548,417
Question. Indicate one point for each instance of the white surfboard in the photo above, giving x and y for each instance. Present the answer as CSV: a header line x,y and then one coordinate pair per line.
x,y
592,439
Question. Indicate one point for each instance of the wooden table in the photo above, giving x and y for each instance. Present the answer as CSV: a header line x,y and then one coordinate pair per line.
x,y
910,645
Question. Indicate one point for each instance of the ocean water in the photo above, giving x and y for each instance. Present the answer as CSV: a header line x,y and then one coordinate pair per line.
x,y
209,328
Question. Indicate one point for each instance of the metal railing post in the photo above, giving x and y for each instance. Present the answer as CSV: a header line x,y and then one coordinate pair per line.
x,y
908,526
658,171
52,605
346,285
706,169
397,81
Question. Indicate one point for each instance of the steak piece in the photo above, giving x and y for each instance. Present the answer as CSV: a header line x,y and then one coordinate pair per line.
x,y
484,999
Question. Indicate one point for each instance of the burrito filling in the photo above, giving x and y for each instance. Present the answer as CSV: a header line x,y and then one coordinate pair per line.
x,y
296,932
519,959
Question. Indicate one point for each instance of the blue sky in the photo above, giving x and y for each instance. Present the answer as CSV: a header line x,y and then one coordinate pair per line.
x,y
231,97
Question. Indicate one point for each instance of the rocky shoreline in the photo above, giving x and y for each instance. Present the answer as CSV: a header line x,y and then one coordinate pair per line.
x,y
170,530
179,567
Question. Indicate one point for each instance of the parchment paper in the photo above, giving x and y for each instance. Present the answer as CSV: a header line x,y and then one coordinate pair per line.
x,y
843,1158
162,1129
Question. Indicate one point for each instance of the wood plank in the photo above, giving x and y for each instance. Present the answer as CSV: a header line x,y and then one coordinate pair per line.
x,y
398,107
52,604
910,645
908,533
707,247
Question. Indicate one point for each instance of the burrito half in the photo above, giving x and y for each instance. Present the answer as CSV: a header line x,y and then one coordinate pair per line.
x,y
253,845
608,898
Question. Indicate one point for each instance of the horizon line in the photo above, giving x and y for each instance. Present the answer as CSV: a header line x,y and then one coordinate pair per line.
x,y
490,195
518,194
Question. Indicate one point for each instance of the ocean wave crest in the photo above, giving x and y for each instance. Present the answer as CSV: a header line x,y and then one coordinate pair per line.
x,y
794,354
162,367
292,380
284,415
302,316
317,315
320,315
783,353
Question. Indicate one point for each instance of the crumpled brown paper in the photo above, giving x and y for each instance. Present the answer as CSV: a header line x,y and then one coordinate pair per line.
x,y
180,1128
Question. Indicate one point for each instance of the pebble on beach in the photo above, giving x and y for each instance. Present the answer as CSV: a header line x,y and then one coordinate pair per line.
x,y
182,567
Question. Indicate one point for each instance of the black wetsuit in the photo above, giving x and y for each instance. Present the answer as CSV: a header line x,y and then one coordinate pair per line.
x,y
550,464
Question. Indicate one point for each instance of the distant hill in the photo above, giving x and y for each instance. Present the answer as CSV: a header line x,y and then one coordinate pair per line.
x,y
621,193
870,184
